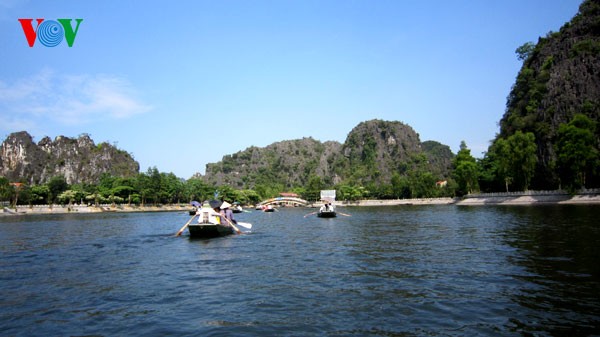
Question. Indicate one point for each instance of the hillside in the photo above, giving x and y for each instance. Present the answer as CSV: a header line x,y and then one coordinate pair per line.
x,y
78,160
289,163
373,152
560,77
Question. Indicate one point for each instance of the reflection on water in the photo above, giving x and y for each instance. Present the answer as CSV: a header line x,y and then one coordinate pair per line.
x,y
384,271
558,250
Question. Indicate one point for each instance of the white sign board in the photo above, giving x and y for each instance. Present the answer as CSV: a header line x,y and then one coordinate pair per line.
x,y
328,194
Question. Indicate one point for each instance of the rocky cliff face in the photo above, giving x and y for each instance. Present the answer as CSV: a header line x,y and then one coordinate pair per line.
x,y
373,152
78,160
288,163
376,149
559,78
439,158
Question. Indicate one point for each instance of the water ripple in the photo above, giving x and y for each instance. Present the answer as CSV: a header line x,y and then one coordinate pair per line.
x,y
401,271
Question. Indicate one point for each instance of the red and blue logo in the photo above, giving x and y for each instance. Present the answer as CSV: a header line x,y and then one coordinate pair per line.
x,y
50,33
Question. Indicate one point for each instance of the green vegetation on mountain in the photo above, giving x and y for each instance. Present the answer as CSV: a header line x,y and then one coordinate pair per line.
x,y
75,159
379,159
559,80
382,159
282,165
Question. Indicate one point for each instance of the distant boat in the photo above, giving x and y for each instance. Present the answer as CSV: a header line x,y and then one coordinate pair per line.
x,y
327,210
195,206
268,208
237,208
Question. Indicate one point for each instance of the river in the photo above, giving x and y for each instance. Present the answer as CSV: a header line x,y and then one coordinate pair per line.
x,y
383,271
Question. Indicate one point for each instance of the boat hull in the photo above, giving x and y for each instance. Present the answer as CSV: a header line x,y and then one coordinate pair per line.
x,y
326,215
209,230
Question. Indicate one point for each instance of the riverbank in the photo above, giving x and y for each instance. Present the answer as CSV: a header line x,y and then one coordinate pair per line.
x,y
64,209
557,197
586,197
398,202
532,198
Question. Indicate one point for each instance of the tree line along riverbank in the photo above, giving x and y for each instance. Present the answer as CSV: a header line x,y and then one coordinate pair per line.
x,y
590,197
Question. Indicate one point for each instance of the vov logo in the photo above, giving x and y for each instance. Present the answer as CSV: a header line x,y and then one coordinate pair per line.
x,y
50,33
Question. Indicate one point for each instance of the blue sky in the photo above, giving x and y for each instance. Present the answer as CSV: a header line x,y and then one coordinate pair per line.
x,y
180,84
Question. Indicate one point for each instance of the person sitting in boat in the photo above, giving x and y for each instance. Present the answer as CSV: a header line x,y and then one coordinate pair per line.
x,y
327,207
237,208
226,212
209,215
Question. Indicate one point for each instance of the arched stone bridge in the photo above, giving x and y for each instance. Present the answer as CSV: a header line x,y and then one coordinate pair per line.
x,y
284,201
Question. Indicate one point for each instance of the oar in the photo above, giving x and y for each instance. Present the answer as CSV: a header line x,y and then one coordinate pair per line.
x,y
310,214
344,214
244,224
232,225
185,226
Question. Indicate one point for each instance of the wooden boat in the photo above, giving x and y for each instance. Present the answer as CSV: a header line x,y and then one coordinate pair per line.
x,y
209,230
195,206
327,210
237,208
209,224
326,214
268,208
